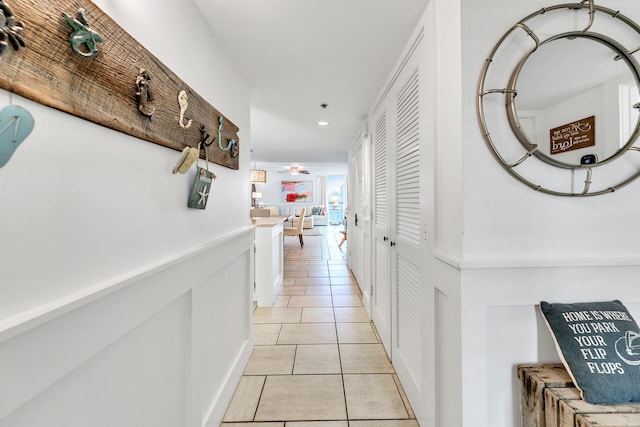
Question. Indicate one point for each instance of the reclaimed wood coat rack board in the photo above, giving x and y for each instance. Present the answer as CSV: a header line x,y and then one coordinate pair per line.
x,y
78,60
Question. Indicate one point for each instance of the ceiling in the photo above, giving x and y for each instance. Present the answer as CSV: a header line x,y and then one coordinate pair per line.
x,y
297,54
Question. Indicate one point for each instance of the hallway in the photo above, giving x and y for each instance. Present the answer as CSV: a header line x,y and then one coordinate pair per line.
x,y
317,360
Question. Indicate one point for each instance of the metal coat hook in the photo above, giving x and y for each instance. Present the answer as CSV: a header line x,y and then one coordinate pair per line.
x,y
234,150
183,101
231,144
10,29
144,94
83,39
204,136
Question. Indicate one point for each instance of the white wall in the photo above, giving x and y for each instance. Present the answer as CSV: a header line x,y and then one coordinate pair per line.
x,y
443,25
102,203
107,274
521,246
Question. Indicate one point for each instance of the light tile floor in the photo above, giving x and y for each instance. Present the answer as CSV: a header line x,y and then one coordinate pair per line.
x,y
317,360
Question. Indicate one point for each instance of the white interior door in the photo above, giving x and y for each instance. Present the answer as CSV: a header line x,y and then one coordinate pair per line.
x,y
406,236
381,290
355,246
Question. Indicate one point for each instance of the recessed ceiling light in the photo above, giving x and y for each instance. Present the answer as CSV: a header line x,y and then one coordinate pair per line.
x,y
323,123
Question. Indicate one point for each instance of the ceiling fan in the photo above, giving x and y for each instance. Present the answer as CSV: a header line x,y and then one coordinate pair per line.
x,y
295,170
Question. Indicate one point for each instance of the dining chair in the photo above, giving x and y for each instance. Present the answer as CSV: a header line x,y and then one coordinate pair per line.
x,y
297,231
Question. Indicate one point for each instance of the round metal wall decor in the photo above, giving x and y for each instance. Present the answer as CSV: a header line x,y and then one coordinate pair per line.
x,y
558,100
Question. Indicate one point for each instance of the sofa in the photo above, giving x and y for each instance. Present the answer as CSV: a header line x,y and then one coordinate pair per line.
x,y
319,215
315,215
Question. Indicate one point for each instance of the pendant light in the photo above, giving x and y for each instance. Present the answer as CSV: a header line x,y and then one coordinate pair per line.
x,y
258,175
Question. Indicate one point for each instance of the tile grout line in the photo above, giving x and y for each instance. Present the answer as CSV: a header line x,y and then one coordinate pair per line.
x,y
295,355
402,394
255,413
344,388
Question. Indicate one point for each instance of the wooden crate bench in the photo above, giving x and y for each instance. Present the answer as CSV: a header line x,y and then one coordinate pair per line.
x,y
534,380
608,420
549,399
580,413
553,397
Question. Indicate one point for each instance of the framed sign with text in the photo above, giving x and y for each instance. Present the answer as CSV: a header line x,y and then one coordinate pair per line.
x,y
573,136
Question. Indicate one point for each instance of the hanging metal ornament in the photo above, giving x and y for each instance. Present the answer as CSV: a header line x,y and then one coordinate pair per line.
x,y
10,29
83,39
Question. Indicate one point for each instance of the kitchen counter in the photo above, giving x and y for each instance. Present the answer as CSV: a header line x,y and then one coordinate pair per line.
x,y
268,258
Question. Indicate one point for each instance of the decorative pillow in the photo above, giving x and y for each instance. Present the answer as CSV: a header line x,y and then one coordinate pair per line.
x,y
599,344
316,210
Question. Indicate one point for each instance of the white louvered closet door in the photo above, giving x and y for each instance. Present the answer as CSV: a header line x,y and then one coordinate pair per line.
x,y
406,237
356,213
381,290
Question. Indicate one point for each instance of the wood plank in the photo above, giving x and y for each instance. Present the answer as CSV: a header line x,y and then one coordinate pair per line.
x,y
533,381
571,409
608,420
552,398
103,89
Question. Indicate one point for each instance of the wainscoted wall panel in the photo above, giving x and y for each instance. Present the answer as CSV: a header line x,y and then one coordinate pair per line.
x,y
164,348
140,379
502,327
221,296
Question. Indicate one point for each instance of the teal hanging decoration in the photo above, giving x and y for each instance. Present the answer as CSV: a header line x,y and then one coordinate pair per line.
x,y
83,39
202,186
16,123
201,189
232,145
